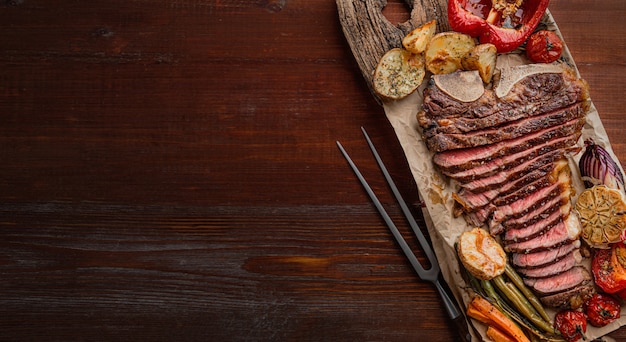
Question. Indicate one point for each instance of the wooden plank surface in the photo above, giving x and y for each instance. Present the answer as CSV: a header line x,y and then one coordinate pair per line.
x,y
170,172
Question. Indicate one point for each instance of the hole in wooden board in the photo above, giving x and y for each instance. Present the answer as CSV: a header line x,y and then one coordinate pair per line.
x,y
396,11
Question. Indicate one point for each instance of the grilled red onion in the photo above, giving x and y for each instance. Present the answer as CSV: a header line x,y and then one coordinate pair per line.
x,y
597,167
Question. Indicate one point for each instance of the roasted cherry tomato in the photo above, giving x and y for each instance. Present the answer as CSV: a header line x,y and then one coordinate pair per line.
x,y
544,47
608,270
572,324
602,309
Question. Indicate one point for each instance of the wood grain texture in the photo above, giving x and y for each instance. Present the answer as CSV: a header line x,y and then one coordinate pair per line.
x,y
370,34
170,172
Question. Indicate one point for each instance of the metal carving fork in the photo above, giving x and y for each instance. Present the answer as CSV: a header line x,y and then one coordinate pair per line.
x,y
434,273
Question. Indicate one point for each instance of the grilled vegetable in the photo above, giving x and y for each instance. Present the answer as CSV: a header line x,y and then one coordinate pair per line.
x,y
481,254
398,74
544,47
498,335
521,303
491,23
497,319
445,50
602,214
607,266
602,309
485,289
482,58
597,167
571,324
417,39
532,299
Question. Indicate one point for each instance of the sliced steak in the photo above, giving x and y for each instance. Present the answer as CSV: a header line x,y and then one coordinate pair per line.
x,y
569,299
506,152
562,233
450,162
479,217
560,203
471,201
541,258
560,266
538,93
543,118
560,282
532,230
500,179
516,129
538,213
533,200
510,161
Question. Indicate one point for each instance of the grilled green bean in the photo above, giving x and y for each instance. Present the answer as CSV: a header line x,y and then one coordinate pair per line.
x,y
510,291
534,301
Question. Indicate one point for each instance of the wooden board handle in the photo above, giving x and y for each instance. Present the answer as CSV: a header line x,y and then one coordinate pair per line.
x,y
370,34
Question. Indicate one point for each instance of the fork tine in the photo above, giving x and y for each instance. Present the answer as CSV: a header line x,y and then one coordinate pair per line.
x,y
421,272
405,210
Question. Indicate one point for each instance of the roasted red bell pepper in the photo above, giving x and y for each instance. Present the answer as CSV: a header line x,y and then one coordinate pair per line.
x,y
501,22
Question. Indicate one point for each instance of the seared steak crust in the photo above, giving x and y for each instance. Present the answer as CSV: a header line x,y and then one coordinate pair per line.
x,y
534,200
571,298
535,94
510,161
494,134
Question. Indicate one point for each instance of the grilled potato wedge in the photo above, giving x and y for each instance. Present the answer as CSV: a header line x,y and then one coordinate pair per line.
x,y
445,50
482,58
398,74
417,39
481,254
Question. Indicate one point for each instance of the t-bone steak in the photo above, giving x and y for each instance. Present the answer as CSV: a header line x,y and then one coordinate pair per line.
x,y
506,153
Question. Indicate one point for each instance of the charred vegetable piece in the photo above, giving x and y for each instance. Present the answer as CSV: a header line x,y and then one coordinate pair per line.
x,y
481,254
506,28
602,309
544,47
571,323
521,303
602,214
497,319
398,74
417,40
534,300
497,335
608,269
597,167
482,58
445,51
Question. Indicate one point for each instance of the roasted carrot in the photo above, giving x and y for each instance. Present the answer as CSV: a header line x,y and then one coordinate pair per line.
x,y
477,315
497,335
499,320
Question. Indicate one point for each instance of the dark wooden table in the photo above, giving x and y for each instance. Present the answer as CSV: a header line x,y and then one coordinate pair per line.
x,y
169,172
